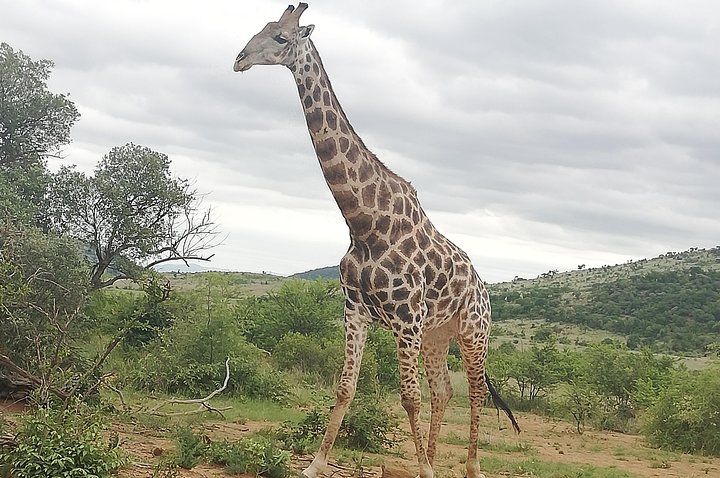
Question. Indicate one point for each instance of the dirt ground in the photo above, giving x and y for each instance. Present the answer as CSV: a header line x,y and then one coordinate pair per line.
x,y
541,439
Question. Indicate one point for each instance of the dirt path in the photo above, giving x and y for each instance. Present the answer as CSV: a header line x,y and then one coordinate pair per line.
x,y
542,440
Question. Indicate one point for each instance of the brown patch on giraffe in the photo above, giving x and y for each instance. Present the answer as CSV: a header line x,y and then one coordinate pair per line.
x,y
395,232
316,68
382,224
344,127
394,186
326,99
344,144
429,274
308,58
444,303
423,241
378,247
315,120
331,119
368,195
306,68
301,89
403,313
309,83
308,102
441,281
408,246
346,200
393,262
435,259
362,223
316,93
352,174
366,171
336,173
353,152
419,258
383,196
381,279
398,206
400,294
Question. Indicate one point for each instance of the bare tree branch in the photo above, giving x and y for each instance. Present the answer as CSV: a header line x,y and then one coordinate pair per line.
x,y
203,403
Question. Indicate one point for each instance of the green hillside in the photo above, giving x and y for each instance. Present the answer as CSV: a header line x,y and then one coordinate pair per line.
x,y
670,303
330,272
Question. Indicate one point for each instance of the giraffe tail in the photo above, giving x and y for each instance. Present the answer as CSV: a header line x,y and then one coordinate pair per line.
x,y
500,403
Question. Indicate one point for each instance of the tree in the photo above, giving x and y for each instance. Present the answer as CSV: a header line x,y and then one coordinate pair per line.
x,y
686,413
132,212
42,288
34,122
311,308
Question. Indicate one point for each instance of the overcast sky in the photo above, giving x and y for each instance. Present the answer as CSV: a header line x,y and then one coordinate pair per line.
x,y
539,134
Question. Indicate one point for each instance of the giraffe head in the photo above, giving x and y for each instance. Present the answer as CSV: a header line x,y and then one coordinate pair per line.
x,y
278,43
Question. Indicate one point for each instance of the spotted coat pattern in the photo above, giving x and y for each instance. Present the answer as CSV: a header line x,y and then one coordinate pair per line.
x,y
399,271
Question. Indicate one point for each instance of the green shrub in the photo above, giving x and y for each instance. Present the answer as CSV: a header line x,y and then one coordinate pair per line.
x,y
188,359
60,444
368,426
686,415
255,455
190,447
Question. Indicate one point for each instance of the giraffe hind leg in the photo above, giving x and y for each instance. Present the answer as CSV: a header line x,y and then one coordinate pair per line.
x,y
473,341
435,352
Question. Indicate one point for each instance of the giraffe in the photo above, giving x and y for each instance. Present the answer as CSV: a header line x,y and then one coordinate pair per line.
x,y
399,271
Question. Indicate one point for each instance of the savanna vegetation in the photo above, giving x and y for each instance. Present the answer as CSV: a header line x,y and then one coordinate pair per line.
x,y
92,337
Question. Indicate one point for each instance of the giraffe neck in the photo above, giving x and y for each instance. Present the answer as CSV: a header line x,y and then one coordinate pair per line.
x,y
365,190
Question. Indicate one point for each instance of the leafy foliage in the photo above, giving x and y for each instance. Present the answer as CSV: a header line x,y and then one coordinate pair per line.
x,y
132,212
254,455
33,121
367,426
686,414
313,309
63,444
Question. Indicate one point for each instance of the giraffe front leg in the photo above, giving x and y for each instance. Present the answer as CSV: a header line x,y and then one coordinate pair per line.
x,y
355,337
408,353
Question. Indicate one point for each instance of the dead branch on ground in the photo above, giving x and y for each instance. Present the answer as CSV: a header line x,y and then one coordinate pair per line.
x,y
203,403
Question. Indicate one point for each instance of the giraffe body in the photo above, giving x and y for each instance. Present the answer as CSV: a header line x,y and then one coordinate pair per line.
x,y
399,270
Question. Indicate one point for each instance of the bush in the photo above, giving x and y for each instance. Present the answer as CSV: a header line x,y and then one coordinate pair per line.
x,y
60,444
686,415
188,359
190,447
368,426
255,455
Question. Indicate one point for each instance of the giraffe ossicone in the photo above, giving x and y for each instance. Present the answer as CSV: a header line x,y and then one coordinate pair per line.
x,y
399,271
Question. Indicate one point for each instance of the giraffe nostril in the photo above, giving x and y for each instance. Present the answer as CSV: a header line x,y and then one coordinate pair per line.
x,y
240,57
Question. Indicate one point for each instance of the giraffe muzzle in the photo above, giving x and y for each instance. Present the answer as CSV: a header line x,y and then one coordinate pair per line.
x,y
238,65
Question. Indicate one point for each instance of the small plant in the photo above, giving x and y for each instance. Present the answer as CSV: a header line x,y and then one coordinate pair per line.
x,y
369,427
255,455
65,444
190,447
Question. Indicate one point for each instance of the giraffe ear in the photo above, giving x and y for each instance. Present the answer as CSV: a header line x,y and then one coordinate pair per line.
x,y
306,31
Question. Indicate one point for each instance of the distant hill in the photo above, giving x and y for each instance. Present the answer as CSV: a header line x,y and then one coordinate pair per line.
x,y
670,303
182,268
330,272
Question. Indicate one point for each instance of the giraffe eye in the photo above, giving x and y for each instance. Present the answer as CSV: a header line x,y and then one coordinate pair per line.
x,y
280,39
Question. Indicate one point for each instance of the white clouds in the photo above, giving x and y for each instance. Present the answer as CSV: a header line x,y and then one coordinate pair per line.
x,y
540,135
